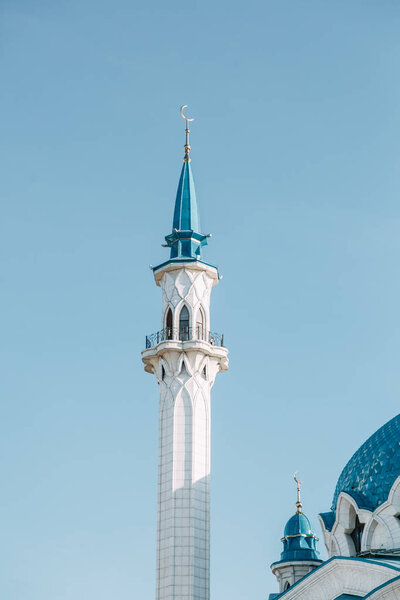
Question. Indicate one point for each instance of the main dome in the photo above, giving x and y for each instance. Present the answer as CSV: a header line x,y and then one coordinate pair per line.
x,y
372,470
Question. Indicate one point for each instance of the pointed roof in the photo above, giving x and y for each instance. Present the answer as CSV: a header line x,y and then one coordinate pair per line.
x,y
186,238
186,214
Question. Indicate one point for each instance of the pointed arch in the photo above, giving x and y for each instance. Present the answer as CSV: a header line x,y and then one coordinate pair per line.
x,y
182,433
184,323
200,430
169,325
200,324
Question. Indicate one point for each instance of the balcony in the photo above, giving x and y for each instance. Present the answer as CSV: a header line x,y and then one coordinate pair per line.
x,y
184,334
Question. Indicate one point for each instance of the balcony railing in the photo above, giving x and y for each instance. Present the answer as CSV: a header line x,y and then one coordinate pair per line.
x,y
184,334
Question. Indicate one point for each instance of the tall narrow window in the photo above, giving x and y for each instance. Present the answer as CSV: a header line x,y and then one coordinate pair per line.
x,y
356,534
200,325
184,324
168,325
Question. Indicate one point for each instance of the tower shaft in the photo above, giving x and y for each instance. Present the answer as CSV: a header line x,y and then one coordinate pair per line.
x,y
185,358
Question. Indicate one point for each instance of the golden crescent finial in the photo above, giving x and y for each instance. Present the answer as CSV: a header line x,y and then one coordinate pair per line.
x,y
299,505
183,114
187,131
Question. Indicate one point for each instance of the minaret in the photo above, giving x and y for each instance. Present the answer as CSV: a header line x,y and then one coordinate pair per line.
x,y
185,358
299,555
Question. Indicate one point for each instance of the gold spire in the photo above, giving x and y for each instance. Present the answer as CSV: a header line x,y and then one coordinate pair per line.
x,y
187,131
299,505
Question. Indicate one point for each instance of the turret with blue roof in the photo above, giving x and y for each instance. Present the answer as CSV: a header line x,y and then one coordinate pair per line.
x,y
299,555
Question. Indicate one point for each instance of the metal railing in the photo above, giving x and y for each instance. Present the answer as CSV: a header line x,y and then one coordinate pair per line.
x,y
184,334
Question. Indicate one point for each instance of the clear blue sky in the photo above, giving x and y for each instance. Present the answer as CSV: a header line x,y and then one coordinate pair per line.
x,y
295,153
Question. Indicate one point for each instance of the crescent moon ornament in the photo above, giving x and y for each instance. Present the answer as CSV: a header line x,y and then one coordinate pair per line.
x,y
187,131
183,114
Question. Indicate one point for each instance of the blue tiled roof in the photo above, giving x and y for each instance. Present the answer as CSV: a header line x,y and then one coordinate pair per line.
x,y
186,240
372,470
328,519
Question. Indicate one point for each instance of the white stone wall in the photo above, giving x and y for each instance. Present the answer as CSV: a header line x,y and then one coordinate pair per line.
x,y
183,486
381,527
291,572
342,576
190,287
390,591
185,372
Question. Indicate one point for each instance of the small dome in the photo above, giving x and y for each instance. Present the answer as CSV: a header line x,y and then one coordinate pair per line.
x,y
299,541
298,524
373,469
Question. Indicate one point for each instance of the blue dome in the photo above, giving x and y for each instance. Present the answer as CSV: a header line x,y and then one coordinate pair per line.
x,y
299,541
298,524
372,470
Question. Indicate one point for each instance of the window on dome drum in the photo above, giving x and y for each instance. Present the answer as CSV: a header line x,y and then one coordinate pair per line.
x,y
356,535
200,325
287,586
162,373
168,325
184,324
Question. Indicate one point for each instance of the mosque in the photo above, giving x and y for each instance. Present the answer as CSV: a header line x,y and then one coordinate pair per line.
x,y
361,531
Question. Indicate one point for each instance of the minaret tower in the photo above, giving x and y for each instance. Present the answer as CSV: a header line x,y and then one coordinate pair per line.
x,y
185,358
299,556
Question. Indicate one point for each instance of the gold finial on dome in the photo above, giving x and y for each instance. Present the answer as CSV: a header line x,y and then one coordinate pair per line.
x,y
299,505
187,131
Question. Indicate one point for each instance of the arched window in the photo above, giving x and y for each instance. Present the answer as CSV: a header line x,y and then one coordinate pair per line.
x,y
356,534
200,325
184,324
168,325
287,586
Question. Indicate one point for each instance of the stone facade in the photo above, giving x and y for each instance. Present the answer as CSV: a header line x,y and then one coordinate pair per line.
x,y
291,572
380,527
344,578
361,532
185,365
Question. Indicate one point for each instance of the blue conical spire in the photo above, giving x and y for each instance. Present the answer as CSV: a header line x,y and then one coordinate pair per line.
x,y
186,214
186,240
